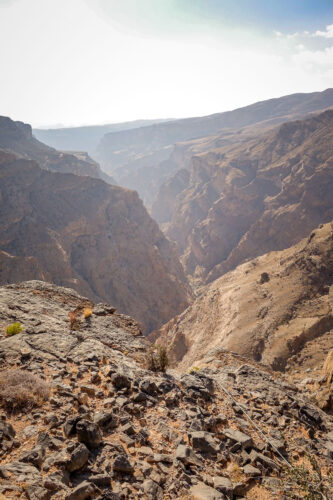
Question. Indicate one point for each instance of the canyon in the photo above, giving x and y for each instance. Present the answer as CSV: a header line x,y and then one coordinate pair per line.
x,y
241,201
79,232
190,359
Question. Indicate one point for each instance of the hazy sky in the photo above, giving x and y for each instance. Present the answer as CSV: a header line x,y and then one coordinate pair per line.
x,y
96,61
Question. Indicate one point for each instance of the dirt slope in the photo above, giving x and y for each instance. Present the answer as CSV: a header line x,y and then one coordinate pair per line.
x,y
273,309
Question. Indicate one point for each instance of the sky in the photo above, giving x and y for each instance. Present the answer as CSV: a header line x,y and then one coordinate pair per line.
x,y
80,62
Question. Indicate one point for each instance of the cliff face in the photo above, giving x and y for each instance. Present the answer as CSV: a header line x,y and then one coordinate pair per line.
x,y
16,137
98,239
83,417
277,309
142,158
242,201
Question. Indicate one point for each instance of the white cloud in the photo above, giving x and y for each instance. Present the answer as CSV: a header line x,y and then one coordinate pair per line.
x,y
328,33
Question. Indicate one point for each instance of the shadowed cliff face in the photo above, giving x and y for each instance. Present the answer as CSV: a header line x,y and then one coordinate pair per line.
x,y
16,137
242,201
145,157
96,238
277,308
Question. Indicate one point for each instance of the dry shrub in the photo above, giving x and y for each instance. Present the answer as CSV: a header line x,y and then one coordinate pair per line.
x,y
87,312
328,367
21,390
74,321
157,359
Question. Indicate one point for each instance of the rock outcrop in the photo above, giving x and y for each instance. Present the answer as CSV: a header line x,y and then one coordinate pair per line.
x,y
98,424
243,201
277,308
143,158
16,137
80,232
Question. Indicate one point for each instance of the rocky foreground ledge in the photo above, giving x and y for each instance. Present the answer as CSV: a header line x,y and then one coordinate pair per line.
x,y
82,418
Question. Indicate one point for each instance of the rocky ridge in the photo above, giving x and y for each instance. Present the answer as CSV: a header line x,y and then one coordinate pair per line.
x,y
16,137
80,232
108,428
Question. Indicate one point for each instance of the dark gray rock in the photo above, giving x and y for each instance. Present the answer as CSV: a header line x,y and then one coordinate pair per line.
x,y
224,485
88,433
105,420
152,490
148,386
120,381
37,492
122,464
20,472
204,442
238,437
34,456
78,458
83,491
186,455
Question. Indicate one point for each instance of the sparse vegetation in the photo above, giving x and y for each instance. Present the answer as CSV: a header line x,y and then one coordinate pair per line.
x,y
14,329
87,312
307,480
21,390
157,358
74,320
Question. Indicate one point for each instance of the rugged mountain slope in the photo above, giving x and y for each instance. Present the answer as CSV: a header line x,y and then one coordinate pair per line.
x,y
277,309
142,158
90,421
16,137
243,201
81,232
84,138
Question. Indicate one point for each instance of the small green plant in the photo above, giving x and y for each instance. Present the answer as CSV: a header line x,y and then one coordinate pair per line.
x,y
14,329
194,369
310,482
157,358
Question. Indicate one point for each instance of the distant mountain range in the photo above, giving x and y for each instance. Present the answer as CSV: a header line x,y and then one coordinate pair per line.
x,y
85,138
144,158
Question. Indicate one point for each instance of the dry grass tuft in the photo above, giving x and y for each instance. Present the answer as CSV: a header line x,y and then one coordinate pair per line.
x,y
74,320
157,359
328,367
21,390
87,312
